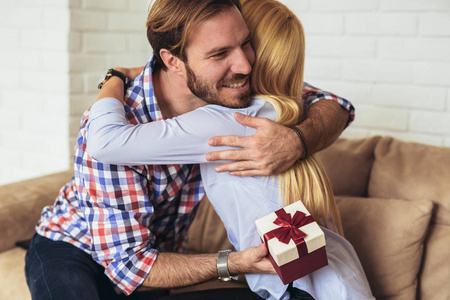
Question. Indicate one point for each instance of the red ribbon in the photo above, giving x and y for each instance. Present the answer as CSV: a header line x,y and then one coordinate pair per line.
x,y
289,229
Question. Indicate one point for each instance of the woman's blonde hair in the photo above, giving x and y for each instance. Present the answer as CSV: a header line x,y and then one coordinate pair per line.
x,y
279,44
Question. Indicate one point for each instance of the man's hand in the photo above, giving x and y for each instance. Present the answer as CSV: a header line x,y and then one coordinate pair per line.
x,y
250,261
274,147
271,150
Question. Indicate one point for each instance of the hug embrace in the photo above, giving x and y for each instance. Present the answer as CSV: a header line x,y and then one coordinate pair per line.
x,y
225,84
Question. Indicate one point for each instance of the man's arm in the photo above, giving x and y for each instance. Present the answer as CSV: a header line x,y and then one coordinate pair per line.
x,y
274,148
325,122
172,270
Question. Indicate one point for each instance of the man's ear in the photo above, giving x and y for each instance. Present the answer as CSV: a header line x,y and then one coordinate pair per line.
x,y
172,62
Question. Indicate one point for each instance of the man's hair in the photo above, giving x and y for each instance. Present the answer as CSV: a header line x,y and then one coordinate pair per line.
x,y
170,22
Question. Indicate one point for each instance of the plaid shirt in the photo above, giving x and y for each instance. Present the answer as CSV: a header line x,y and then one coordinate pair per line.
x,y
123,215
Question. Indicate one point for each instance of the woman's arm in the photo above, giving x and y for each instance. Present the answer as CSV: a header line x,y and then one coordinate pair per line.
x,y
111,139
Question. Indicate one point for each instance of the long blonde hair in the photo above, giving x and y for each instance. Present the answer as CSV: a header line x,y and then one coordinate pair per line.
x,y
279,44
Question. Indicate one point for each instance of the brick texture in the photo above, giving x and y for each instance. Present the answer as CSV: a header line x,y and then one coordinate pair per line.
x,y
390,58
53,53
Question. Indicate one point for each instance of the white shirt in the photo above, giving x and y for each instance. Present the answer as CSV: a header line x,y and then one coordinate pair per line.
x,y
239,201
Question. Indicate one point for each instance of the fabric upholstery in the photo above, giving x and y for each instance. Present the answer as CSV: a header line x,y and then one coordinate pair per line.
x,y
435,271
31,196
416,171
348,164
388,236
207,233
413,171
13,284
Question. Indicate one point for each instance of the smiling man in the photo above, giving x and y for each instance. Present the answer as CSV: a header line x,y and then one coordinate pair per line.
x,y
118,228
223,61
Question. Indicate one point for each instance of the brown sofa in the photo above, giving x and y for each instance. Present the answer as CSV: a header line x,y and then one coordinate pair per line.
x,y
394,199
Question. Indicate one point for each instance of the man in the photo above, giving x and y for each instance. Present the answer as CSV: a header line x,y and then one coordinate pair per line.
x,y
130,222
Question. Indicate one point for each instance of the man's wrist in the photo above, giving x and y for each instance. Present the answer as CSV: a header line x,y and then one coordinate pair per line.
x,y
302,141
234,263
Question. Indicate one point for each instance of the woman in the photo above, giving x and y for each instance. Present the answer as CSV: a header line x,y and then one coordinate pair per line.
x,y
277,79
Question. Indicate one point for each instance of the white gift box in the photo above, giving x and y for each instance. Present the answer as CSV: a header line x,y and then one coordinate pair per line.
x,y
301,249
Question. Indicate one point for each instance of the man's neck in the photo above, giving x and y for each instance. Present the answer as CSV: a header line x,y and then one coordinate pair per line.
x,y
173,96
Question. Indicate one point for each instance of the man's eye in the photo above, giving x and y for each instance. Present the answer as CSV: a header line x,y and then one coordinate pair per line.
x,y
218,55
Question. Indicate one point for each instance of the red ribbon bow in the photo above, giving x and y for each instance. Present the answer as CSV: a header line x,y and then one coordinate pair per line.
x,y
289,227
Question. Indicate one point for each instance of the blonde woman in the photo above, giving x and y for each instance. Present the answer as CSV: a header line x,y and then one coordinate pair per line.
x,y
277,80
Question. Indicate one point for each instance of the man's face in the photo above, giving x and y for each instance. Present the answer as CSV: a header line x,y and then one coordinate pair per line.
x,y
219,60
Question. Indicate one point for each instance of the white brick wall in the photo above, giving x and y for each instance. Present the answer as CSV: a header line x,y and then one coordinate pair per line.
x,y
391,58
52,54
105,34
33,88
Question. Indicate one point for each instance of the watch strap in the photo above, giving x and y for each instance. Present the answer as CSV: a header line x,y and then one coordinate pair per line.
x,y
111,72
222,266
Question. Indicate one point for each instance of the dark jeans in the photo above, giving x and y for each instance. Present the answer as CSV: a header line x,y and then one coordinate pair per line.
x,y
58,270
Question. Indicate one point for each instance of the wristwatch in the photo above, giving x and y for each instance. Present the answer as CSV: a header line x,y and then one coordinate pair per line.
x,y
111,72
222,266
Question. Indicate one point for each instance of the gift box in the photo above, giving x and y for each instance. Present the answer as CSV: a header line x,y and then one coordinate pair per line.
x,y
295,241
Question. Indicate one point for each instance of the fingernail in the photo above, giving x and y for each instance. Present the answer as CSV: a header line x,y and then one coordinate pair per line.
x,y
212,142
218,169
238,115
209,157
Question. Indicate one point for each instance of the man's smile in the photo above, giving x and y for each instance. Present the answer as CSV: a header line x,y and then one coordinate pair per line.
x,y
236,84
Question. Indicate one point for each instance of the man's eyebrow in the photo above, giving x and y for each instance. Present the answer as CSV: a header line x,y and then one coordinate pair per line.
x,y
220,49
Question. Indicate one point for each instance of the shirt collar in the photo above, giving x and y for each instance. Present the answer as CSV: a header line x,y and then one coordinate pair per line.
x,y
141,92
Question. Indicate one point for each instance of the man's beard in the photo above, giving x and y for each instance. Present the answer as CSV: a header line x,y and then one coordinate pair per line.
x,y
200,89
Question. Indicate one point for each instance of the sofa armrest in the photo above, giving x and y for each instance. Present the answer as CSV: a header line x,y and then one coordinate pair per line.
x,y
21,204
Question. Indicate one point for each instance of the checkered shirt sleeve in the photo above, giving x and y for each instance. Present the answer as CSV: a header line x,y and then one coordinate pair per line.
x,y
124,215
312,94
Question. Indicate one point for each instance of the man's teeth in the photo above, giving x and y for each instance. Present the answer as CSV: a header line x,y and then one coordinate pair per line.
x,y
236,85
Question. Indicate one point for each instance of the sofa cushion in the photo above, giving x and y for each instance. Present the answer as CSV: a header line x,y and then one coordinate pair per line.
x,y
13,284
207,234
22,203
435,275
348,164
412,171
388,237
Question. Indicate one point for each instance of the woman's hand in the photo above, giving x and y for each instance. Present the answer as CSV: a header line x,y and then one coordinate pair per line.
x,y
130,73
114,87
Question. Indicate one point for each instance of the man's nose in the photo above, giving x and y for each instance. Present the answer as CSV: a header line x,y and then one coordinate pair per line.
x,y
241,63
